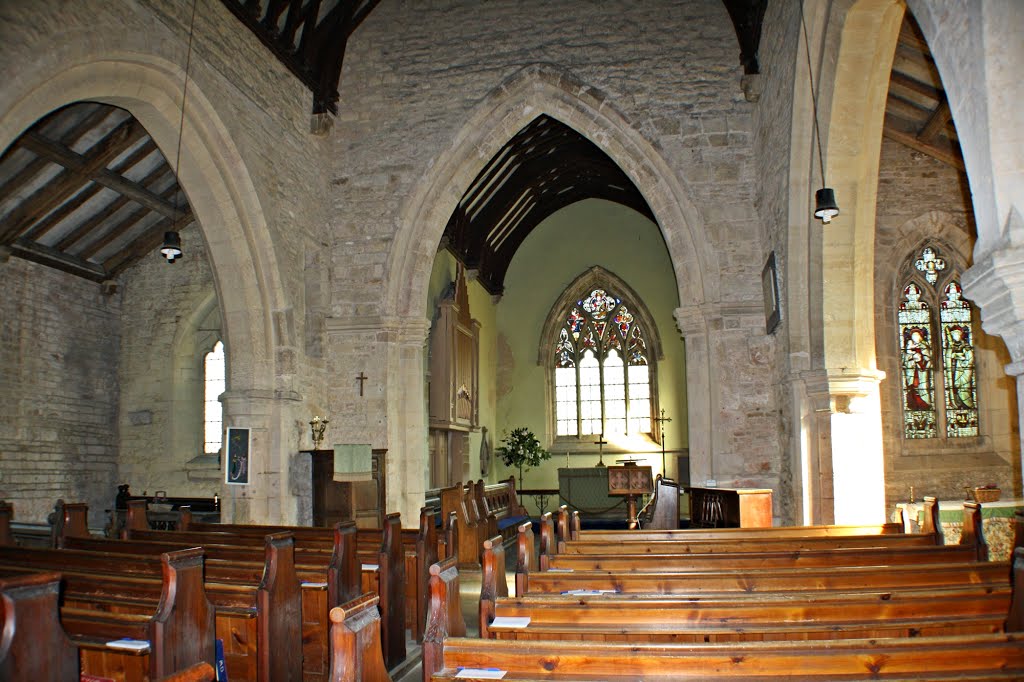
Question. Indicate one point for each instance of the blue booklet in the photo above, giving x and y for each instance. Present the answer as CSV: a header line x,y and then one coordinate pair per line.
x,y
222,666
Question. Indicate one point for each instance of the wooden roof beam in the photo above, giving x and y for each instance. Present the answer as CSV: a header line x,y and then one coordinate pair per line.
x,y
80,169
936,123
76,162
44,255
950,158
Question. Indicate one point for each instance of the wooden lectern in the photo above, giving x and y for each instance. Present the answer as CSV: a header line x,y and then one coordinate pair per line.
x,y
630,481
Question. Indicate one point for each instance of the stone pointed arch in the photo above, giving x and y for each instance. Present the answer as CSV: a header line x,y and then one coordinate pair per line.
x,y
213,175
533,91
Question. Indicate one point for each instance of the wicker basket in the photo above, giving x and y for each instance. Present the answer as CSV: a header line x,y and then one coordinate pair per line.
x,y
986,494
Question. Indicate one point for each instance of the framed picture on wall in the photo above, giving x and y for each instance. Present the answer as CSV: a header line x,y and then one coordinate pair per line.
x,y
236,468
770,290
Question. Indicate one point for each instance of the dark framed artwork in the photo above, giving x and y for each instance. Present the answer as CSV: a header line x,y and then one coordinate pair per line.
x,y
237,462
770,290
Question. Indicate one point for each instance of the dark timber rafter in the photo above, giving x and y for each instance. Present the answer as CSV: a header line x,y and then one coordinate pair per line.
x,y
310,45
747,17
543,168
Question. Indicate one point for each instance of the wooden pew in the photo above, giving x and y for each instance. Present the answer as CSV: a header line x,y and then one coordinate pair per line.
x,y
962,657
34,645
470,531
445,616
500,501
380,551
965,657
161,601
262,630
330,577
662,511
6,516
355,642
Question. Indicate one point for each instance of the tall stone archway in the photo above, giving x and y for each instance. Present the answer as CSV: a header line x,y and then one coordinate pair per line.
x,y
213,175
531,92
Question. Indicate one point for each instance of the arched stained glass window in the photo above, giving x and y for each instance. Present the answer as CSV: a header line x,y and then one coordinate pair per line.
x,y
958,364
602,381
937,356
214,384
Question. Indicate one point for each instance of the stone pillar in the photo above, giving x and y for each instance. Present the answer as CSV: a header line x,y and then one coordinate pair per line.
x,y
407,418
858,460
260,501
700,395
811,449
996,283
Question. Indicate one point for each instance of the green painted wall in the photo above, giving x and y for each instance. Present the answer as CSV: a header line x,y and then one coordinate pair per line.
x,y
588,233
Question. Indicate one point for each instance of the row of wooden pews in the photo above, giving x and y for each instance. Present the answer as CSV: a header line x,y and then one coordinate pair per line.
x,y
276,610
482,511
813,604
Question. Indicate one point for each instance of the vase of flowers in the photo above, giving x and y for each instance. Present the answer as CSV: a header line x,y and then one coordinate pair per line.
x,y
520,448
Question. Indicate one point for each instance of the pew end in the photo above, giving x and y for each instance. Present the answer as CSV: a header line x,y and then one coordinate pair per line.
x,y
356,648
33,644
492,581
444,619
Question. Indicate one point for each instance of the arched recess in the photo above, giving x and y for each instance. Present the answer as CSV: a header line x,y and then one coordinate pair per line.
x,y
536,90
214,177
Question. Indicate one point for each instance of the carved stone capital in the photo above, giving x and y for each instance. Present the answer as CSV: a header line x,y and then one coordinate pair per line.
x,y
996,285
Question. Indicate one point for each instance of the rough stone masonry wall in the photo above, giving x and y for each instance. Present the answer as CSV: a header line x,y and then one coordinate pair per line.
x,y
779,35
59,338
265,111
919,199
416,72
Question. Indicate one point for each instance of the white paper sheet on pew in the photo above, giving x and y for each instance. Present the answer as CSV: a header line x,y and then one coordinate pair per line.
x,y
589,592
560,570
371,567
481,673
132,644
510,622
314,584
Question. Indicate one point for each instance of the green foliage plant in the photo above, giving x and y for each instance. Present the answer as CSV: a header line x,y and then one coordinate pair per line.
x,y
520,448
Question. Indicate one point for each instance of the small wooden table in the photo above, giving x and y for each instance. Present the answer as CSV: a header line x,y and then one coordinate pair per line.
x,y
730,507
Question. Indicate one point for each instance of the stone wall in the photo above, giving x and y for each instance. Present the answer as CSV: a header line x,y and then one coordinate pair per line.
x,y
59,338
669,70
922,200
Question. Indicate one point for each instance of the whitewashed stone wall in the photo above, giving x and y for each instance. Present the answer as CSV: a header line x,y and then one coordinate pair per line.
x,y
59,338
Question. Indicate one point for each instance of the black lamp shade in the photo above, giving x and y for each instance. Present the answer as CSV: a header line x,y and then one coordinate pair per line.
x,y
172,246
825,207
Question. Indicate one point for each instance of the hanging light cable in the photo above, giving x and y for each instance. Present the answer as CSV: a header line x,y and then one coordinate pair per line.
x,y
825,207
171,249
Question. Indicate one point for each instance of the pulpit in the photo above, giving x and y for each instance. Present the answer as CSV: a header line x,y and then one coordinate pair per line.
x,y
333,501
630,481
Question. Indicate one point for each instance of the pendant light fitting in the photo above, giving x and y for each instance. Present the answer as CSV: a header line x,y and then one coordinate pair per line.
x,y
171,249
825,206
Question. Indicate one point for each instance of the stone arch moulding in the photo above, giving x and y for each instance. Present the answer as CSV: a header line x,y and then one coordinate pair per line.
x,y
211,172
531,92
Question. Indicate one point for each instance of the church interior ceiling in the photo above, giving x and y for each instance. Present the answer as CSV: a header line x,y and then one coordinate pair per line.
x,y
917,113
87,191
546,166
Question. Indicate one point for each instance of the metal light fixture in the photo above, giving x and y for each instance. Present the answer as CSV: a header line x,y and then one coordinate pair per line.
x,y
825,206
171,249
172,246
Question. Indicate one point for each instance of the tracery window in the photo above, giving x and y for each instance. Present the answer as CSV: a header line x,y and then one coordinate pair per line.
x,y
939,384
214,384
602,368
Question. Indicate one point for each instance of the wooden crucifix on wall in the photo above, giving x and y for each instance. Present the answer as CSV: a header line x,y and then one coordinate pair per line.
x,y
361,379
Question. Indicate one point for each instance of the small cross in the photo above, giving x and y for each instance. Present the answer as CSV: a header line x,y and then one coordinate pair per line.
x,y
930,264
600,443
361,378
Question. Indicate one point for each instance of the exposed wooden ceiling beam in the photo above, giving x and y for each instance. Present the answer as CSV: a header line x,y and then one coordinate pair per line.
x,y
80,169
42,227
911,140
906,81
44,255
76,162
936,123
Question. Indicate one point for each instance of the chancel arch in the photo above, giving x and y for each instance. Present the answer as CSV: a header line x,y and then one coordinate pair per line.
x,y
225,203
512,106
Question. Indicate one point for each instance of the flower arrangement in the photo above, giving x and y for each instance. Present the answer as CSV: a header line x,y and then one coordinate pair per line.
x,y
521,448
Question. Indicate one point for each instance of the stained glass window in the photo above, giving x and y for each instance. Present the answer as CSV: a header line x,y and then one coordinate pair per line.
x,y
958,364
602,379
939,384
916,346
213,385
